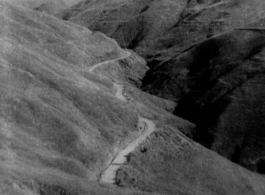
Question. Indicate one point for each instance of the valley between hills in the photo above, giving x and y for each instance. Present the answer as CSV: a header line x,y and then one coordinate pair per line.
x,y
132,97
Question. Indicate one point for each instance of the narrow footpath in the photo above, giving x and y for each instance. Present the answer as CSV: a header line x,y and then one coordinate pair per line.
x,y
118,87
92,68
145,126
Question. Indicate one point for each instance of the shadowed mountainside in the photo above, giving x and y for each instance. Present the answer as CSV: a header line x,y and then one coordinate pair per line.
x,y
219,86
207,56
61,123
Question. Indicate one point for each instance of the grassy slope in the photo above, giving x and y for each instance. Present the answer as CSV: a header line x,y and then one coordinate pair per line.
x,y
59,123
54,121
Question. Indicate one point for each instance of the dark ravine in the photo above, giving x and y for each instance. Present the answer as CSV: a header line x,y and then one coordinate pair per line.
x,y
210,78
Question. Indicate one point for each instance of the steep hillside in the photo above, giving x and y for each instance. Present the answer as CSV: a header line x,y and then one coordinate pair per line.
x,y
70,104
61,123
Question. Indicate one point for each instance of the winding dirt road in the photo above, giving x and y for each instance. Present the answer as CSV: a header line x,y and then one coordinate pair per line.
x,y
92,68
109,174
145,126
118,87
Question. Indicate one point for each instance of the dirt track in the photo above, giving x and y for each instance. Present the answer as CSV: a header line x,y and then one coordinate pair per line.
x,y
109,174
145,126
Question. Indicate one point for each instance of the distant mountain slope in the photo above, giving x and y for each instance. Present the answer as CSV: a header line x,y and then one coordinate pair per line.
x,y
49,6
132,23
159,30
